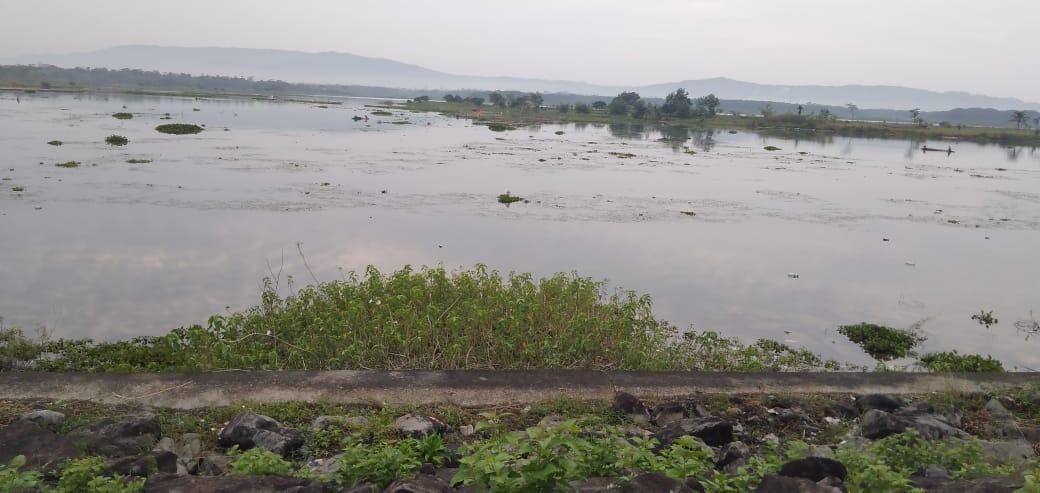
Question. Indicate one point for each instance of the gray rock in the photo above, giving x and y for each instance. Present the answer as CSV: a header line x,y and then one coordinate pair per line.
x,y
250,430
144,465
631,406
1016,452
363,488
631,430
1003,484
814,469
596,485
732,456
772,483
935,472
843,410
134,435
880,402
467,430
421,484
322,423
879,424
415,425
668,413
997,410
714,432
822,451
550,420
934,428
45,417
169,483
654,482
42,448
212,465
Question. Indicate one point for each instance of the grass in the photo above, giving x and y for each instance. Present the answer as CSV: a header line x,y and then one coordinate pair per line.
x,y
772,148
17,189
954,362
382,113
123,116
507,199
138,161
55,143
880,342
68,164
500,127
179,128
426,319
116,140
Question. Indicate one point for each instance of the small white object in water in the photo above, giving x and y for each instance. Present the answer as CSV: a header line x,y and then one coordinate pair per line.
x,y
910,264
793,275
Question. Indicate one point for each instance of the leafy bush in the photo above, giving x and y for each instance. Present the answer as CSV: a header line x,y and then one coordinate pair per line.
x,y
55,143
951,361
12,479
178,128
379,465
507,199
123,116
117,140
68,164
87,476
258,462
880,342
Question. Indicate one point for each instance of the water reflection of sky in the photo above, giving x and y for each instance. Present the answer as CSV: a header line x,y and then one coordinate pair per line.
x,y
115,250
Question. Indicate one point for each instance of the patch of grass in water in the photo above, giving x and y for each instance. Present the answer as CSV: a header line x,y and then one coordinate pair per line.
x,y
123,116
68,164
772,148
622,155
17,189
500,127
985,318
138,161
880,342
402,122
952,361
116,140
178,128
382,113
507,198
55,143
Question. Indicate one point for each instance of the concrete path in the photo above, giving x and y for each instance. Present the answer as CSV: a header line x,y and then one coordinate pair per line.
x,y
466,388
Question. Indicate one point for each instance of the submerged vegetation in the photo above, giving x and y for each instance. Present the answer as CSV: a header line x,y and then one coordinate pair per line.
x,y
116,140
55,143
138,161
123,116
68,164
179,128
507,199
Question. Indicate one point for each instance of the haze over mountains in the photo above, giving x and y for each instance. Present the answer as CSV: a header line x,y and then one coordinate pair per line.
x,y
345,68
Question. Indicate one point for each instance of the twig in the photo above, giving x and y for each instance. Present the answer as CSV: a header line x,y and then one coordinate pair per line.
x,y
299,248
152,394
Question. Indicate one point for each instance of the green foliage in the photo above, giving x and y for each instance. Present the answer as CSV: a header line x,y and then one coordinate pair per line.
x,y
117,140
888,463
771,148
951,361
123,116
985,318
55,143
379,464
17,189
880,342
677,104
87,476
583,109
1032,481
178,128
500,127
507,199
12,479
15,348
68,164
258,462
138,161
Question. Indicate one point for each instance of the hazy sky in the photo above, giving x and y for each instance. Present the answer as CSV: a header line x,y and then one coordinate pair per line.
x,y
986,47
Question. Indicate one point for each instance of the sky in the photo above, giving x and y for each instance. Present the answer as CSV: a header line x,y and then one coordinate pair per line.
x,y
981,47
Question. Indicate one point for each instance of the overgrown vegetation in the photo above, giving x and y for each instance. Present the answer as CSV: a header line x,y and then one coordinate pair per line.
x,y
116,140
880,342
55,143
985,318
85,475
426,319
258,462
952,361
178,128
507,198
138,161
123,116
68,164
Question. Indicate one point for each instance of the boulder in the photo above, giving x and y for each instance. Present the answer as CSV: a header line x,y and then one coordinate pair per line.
x,y
250,430
814,469
211,465
1003,484
630,405
997,410
772,483
1018,453
144,465
596,485
880,402
44,417
824,451
324,422
843,410
713,431
934,428
363,488
42,448
550,420
668,413
415,425
654,482
732,456
935,471
169,483
134,435
879,424
420,484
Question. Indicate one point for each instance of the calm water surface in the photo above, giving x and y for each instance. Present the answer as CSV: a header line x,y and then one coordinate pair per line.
x,y
111,249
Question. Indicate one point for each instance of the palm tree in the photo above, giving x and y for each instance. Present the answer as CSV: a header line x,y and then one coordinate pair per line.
x,y
852,109
1020,118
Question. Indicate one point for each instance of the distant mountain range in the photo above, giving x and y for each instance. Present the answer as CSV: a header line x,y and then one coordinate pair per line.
x,y
349,69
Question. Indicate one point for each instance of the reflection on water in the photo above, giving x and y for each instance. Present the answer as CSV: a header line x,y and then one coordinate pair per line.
x,y
876,229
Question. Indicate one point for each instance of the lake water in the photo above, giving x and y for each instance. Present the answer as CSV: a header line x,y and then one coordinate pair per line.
x,y
111,250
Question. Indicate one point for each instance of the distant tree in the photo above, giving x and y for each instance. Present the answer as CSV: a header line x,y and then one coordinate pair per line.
x,y
518,101
421,99
600,105
800,109
624,103
677,104
1020,117
639,109
475,101
498,99
563,108
535,99
852,109
451,98
916,115
767,110
825,114
708,105
581,108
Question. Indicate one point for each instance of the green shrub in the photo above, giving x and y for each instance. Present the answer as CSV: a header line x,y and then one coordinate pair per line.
x,y
178,128
880,342
258,462
381,465
117,140
507,199
123,116
12,479
55,143
68,164
951,361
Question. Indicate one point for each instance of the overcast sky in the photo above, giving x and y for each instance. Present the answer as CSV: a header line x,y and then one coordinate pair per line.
x,y
987,47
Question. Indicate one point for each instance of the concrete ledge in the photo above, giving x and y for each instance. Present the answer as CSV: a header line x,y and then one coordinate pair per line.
x,y
467,388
